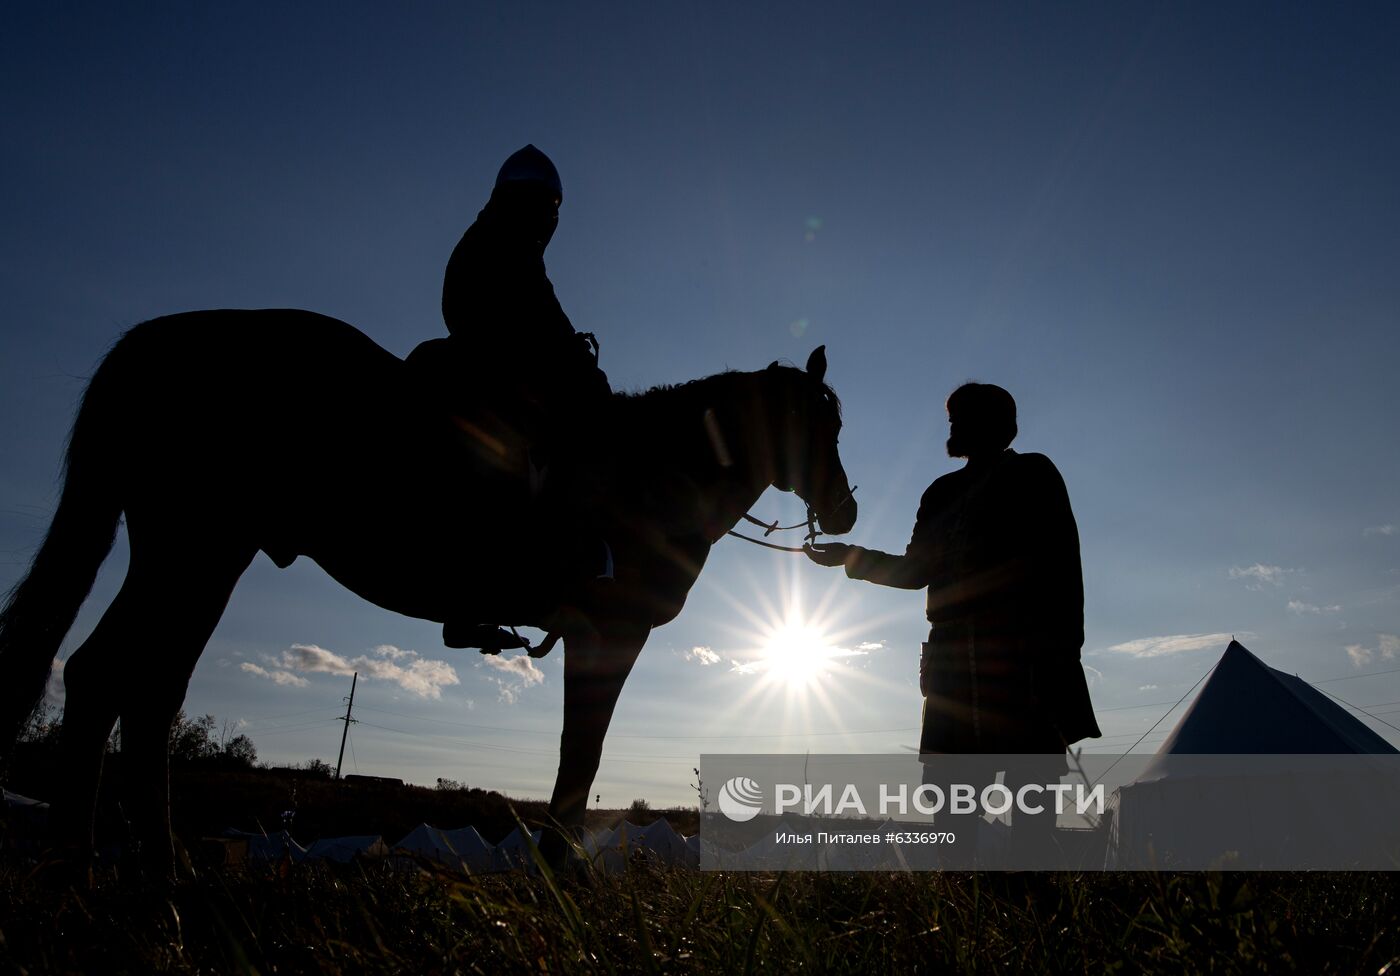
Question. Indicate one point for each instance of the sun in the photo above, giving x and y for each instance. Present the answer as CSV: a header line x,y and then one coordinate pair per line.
x,y
796,655
804,664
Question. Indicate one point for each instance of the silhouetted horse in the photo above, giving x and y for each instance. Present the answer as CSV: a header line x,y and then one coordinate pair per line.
x,y
221,433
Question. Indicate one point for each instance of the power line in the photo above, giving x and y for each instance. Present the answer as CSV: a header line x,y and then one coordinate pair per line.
x,y
1124,708
295,728
1363,711
277,718
294,725
690,757
621,735
1363,674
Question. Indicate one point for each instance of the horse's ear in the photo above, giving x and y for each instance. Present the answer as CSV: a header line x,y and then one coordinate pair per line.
x,y
816,363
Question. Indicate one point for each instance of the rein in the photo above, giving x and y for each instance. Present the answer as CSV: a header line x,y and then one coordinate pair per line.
x,y
770,545
770,527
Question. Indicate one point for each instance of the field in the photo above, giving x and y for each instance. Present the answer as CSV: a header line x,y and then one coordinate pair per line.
x,y
377,920
373,918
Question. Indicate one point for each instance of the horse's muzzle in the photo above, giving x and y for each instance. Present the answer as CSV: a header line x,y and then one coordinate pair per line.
x,y
841,517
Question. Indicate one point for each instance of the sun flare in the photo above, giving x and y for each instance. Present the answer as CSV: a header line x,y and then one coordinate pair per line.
x,y
807,664
797,655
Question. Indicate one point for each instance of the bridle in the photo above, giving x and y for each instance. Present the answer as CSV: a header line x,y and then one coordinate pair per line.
x,y
810,525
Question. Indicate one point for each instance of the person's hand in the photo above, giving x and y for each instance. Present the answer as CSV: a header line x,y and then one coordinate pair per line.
x,y
828,553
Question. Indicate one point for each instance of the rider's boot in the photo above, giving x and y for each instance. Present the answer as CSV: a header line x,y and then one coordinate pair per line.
x,y
570,498
487,638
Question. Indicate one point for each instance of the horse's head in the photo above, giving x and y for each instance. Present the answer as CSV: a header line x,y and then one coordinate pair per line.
x,y
804,420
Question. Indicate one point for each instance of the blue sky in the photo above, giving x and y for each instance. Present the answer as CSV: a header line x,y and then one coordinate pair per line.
x,y
1171,232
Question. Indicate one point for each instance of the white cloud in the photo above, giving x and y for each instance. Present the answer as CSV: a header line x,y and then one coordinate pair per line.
x,y
1300,607
517,673
870,646
316,660
519,666
1387,649
703,655
1371,530
421,676
1171,644
279,676
1258,576
1095,675
1147,687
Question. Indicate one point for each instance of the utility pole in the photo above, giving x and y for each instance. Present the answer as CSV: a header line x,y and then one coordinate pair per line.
x,y
347,720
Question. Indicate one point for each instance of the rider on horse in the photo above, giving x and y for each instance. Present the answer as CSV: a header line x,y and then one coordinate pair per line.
x,y
520,355
497,298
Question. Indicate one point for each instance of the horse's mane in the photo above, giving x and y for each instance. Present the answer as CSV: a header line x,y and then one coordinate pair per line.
x,y
668,393
650,416
671,395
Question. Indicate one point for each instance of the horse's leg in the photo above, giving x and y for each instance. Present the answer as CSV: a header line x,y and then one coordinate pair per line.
x,y
595,667
191,588
180,592
92,676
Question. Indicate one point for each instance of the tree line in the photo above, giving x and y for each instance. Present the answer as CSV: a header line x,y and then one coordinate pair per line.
x,y
200,739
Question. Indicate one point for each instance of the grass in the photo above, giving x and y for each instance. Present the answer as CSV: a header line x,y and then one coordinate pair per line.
x,y
372,919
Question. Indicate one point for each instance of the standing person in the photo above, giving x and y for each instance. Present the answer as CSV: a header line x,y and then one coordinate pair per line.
x,y
997,547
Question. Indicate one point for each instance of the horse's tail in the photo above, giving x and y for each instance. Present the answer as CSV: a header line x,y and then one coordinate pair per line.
x,y
41,608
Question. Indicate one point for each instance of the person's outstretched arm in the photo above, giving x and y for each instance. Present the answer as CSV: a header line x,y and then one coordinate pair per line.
x,y
910,571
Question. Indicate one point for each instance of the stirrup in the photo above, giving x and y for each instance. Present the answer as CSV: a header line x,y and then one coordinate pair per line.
x,y
484,637
544,646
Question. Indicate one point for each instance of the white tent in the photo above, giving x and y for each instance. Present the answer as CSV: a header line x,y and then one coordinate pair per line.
x,y
513,852
343,850
662,841
25,822
476,855
595,841
1178,812
768,854
853,857
269,847
426,841
610,848
13,801
699,850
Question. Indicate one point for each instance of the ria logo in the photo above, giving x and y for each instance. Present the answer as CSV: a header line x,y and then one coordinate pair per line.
x,y
740,799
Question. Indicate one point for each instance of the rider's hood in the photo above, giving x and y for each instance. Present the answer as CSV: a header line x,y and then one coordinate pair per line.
x,y
529,165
